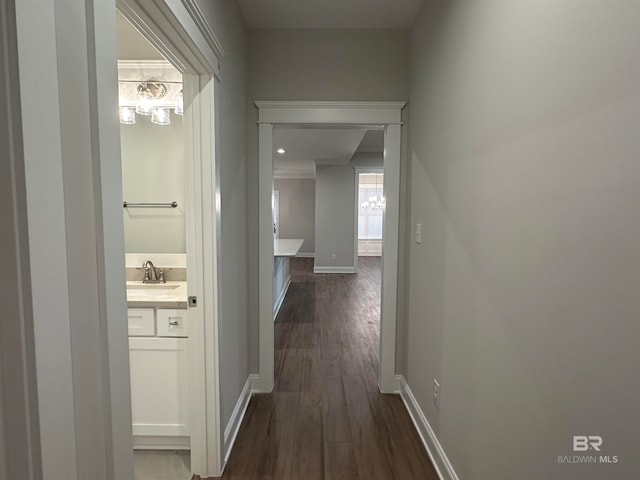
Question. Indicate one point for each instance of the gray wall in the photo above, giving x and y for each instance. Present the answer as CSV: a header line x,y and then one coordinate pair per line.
x,y
298,210
363,65
335,215
524,302
153,170
227,23
328,64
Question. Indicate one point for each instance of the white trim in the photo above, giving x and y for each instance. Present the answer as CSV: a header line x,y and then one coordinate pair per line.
x,y
137,64
173,26
144,442
370,114
293,175
356,219
280,299
232,428
264,382
204,27
203,263
276,201
329,104
365,170
306,254
387,115
160,429
317,269
430,442
19,424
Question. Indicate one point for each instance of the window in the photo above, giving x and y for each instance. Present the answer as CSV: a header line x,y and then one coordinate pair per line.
x,y
370,206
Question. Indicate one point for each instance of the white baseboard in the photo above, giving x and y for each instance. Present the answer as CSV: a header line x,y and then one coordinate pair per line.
x,y
257,386
280,299
148,442
231,431
306,255
430,441
317,269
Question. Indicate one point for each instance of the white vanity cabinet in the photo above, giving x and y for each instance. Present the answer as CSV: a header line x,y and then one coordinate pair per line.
x,y
142,322
159,378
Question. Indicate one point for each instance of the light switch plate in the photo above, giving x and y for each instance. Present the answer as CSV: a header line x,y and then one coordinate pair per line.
x,y
418,233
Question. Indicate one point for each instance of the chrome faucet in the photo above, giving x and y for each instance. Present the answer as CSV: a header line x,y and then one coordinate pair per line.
x,y
151,275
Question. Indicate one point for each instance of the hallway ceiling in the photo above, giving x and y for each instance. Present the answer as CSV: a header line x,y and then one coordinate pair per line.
x,y
307,147
329,13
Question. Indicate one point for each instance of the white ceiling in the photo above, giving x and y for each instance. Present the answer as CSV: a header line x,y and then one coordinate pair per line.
x,y
307,147
329,13
373,142
132,45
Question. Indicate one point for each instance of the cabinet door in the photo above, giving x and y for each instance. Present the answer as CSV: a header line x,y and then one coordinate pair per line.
x,y
171,323
159,388
141,322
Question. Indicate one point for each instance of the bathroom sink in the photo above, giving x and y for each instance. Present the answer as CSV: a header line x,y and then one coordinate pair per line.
x,y
146,289
152,286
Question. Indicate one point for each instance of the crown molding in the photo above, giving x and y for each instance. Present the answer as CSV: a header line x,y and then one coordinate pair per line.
x,y
290,175
204,27
145,64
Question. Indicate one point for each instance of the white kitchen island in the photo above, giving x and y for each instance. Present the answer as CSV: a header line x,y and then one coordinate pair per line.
x,y
283,250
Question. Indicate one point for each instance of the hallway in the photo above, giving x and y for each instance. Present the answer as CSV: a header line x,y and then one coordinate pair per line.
x,y
326,418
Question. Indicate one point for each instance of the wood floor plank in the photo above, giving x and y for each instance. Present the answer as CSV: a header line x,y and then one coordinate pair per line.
x,y
367,440
335,423
308,453
339,462
280,436
325,418
288,370
406,457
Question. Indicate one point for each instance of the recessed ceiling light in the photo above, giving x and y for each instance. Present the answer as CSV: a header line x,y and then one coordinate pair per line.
x,y
280,151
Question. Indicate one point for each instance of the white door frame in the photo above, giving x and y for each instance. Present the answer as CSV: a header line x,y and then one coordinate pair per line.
x,y
19,432
385,115
178,30
276,213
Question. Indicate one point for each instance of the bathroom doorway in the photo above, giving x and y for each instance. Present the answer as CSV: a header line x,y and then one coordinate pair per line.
x,y
170,185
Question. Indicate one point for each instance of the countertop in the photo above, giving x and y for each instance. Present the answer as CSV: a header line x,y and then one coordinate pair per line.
x,y
160,295
286,247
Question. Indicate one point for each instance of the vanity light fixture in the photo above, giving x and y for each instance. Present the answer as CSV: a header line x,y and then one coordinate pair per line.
x,y
161,116
146,94
179,109
127,115
151,98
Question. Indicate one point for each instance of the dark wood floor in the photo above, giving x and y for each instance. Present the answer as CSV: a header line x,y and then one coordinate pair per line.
x,y
325,418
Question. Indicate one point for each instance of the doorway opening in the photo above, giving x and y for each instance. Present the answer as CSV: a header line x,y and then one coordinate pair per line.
x,y
152,139
326,299
385,117
167,86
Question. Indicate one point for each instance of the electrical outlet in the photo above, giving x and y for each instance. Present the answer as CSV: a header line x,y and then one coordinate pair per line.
x,y
436,393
